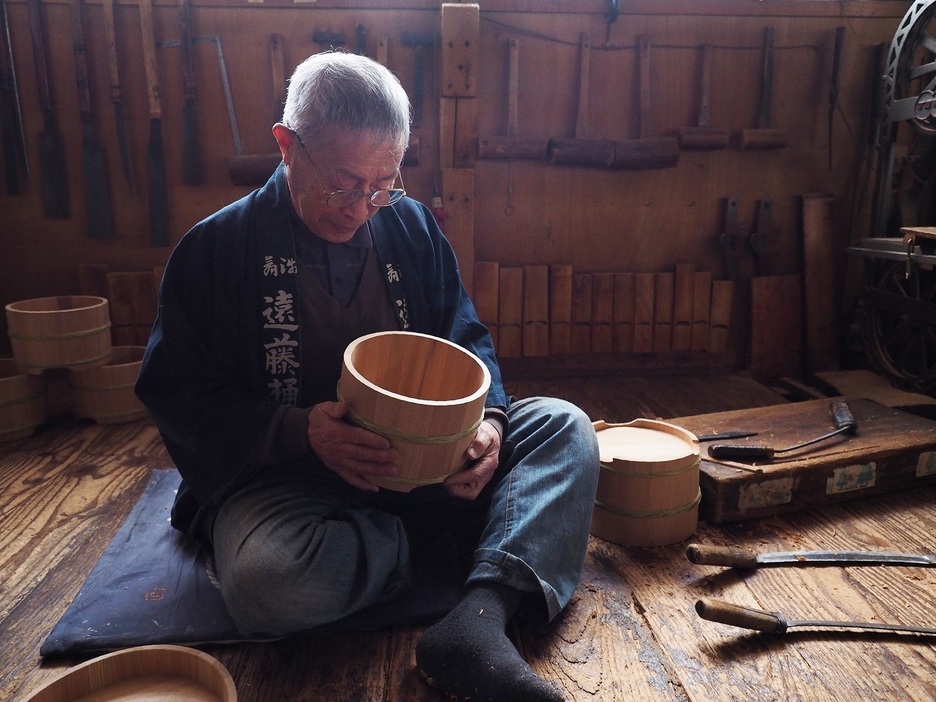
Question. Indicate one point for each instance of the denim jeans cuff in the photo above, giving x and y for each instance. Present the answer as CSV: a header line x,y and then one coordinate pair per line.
x,y
491,565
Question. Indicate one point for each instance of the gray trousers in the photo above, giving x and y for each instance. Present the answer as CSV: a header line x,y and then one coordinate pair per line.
x,y
298,548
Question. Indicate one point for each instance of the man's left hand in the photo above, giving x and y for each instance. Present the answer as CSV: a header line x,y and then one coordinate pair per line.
x,y
483,451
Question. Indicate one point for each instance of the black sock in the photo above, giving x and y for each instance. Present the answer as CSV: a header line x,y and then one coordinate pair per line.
x,y
468,654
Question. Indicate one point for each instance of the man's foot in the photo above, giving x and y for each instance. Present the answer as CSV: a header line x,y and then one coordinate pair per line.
x,y
469,656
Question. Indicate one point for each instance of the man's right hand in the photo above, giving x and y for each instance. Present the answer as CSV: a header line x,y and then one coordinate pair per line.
x,y
350,451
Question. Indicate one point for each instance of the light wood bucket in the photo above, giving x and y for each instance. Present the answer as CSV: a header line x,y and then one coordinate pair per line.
x,y
423,393
105,394
648,488
69,331
158,673
23,404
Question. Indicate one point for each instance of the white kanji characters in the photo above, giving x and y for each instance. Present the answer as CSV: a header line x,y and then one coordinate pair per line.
x,y
281,355
280,313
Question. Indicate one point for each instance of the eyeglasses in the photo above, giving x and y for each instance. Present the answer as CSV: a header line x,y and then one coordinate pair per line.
x,y
345,198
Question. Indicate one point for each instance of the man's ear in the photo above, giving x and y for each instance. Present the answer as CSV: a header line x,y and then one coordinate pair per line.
x,y
285,137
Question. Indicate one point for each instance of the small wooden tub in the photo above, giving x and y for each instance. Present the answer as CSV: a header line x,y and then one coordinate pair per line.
x,y
23,404
423,393
158,673
648,488
105,394
69,331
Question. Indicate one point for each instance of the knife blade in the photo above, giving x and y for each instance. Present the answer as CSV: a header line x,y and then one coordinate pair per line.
x,y
776,623
745,559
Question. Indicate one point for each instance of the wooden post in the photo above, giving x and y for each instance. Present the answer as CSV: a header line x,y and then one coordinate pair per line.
x,y
458,128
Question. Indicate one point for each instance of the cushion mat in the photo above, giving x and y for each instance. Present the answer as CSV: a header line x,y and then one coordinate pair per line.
x,y
154,585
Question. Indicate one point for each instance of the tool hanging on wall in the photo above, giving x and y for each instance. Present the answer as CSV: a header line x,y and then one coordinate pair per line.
x,y
16,161
582,150
278,74
157,188
56,203
765,136
776,623
113,69
512,146
841,416
834,83
763,238
94,169
419,45
704,137
729,241
191,164
645,152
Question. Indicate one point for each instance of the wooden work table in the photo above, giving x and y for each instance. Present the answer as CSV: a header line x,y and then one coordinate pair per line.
x,y
631,632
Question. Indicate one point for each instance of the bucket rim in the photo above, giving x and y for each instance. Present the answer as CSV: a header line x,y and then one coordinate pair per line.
x,y
482,390
97,302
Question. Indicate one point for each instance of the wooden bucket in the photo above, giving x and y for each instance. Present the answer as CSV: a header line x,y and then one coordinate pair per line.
x,y
648,488
423,393
69,331
22,402
157,673
105,394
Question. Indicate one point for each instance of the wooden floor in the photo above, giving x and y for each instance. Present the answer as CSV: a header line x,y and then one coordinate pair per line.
x,y
631,632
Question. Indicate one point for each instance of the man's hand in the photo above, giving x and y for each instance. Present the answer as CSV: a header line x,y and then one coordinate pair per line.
x,y
483,450
351,452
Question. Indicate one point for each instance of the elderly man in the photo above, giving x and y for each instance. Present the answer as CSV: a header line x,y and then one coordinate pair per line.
x,y
257,305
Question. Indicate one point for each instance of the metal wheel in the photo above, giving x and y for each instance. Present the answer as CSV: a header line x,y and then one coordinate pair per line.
x,y
900,324
910,79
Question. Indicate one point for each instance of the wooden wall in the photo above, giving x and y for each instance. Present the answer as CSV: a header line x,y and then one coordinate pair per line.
x,y
594,219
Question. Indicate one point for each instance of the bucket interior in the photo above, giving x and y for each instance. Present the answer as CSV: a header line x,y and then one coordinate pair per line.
x,y
418,367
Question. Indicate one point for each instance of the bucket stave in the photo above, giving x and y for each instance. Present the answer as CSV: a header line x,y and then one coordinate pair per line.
x,y
425,394
23,405
68,331
105,393
648,489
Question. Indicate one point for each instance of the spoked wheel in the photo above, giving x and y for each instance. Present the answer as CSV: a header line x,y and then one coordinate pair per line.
x,y
900,324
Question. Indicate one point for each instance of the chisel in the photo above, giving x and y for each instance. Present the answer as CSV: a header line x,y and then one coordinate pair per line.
x,y
776,623
745,559
844,424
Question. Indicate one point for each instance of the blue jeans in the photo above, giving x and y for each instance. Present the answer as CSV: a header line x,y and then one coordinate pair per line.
x,y
298,548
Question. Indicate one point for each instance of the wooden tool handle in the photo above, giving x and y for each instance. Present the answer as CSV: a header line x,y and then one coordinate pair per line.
x,y
42,73
842,416
149,58
81,61
744,617
702,554
728,452
110,50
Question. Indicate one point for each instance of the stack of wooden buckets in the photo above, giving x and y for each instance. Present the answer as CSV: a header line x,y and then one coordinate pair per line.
x,y
70,333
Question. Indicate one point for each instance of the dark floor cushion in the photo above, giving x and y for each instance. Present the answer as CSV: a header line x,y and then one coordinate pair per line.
x,y
154,585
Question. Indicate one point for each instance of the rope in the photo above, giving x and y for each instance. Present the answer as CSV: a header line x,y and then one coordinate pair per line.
x,y
653,514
